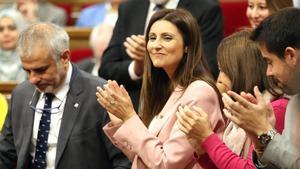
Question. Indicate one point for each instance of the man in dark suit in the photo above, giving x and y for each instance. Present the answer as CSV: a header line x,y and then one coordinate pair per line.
x,y
55,120
123,59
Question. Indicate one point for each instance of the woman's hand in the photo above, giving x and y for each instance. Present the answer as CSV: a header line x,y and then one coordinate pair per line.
x,y
115,100
194,123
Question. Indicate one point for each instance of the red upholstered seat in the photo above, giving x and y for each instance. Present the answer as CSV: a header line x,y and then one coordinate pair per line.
x,y
79,54
234,14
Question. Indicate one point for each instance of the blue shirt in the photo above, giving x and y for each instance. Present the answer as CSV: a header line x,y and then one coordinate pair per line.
x,y
92,16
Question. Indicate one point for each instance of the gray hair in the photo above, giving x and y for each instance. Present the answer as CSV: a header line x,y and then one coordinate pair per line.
x,y
16,16
47,35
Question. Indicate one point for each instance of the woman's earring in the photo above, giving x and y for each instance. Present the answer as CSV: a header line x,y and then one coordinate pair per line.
x,y
185,50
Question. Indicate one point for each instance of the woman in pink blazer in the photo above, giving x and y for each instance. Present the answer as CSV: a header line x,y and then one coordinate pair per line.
x,y
175,73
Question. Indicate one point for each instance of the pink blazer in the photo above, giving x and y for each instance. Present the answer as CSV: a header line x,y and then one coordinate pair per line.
x,y
163,145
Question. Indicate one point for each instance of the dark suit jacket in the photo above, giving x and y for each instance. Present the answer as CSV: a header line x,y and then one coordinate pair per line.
x,y
81,143
132,19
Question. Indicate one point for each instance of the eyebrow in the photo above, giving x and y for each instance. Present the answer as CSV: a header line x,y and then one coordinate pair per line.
x,y
163,33
9,24
37,69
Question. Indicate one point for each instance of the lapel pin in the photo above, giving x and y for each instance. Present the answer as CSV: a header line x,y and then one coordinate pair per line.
x,y
76,105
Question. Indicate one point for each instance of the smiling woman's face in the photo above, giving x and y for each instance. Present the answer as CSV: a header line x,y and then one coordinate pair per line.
x,y
165,46
257,11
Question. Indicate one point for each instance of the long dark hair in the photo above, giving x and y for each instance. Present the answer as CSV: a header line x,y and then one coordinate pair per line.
x,y
241,60
157,86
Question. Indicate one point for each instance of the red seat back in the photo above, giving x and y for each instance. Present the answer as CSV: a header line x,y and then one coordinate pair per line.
x,y
80,54
234,14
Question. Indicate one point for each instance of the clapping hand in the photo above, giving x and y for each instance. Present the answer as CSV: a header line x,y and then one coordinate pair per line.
x,y
116,101
135,48
249,112
195,124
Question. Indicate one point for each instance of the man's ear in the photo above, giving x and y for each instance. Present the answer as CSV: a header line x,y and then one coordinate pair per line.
x,y
65,57
291,56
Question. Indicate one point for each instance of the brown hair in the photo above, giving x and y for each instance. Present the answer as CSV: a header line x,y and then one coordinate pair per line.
x,y
241,60
157,87
276,5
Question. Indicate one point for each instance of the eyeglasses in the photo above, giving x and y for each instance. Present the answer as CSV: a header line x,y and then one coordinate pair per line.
x,y
52,110
9,27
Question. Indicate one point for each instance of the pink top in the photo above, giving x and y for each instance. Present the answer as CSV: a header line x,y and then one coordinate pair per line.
x,y
225,158
279,107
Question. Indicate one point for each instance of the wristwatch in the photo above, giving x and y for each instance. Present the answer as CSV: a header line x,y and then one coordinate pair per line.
x,y
265,138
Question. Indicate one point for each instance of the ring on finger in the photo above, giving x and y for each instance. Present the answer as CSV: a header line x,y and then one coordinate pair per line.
x,y
112,102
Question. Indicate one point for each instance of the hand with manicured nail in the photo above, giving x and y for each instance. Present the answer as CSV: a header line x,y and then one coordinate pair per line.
x,y
116,101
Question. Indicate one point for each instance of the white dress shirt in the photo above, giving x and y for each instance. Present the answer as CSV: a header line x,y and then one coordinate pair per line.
x,y
296,3
58,101
110,16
